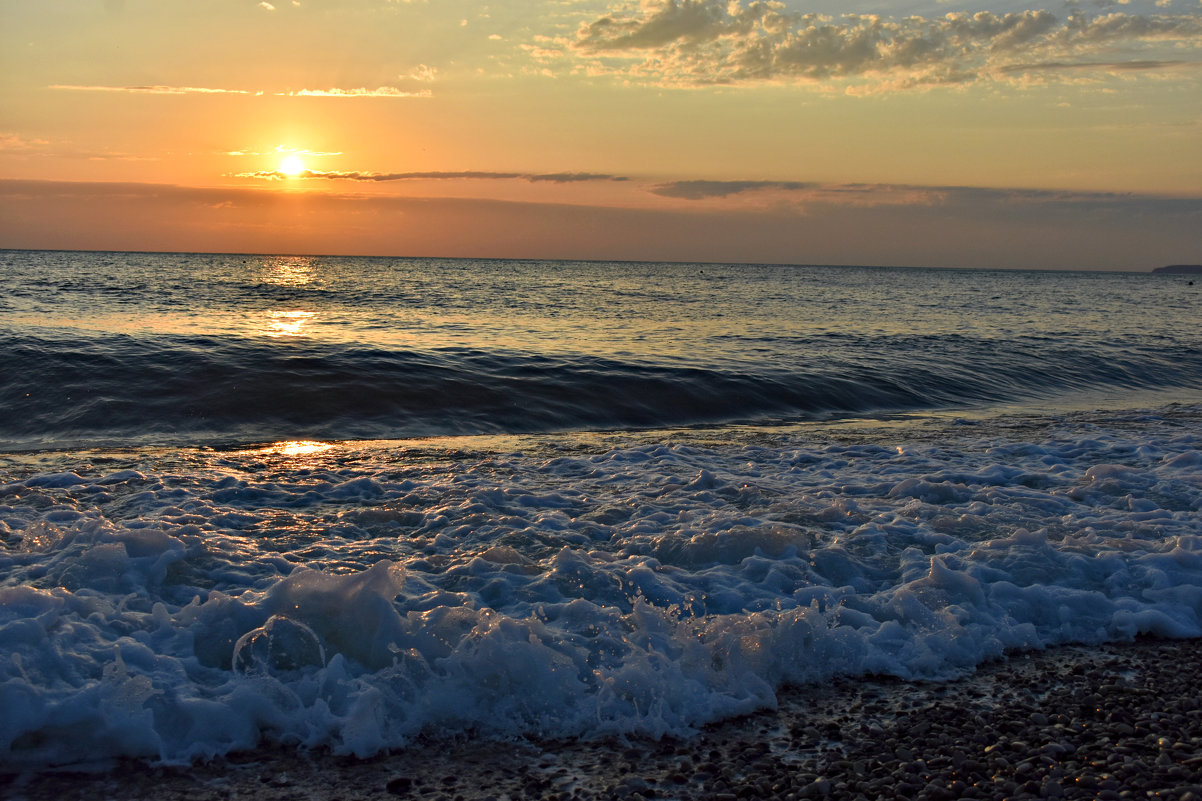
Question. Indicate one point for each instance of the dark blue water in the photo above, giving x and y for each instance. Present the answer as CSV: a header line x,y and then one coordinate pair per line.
x,y
122,348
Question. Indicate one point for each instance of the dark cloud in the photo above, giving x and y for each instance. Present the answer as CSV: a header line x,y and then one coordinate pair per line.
x,y
697,190
1098,66
922,196
572,177
692,42
953,226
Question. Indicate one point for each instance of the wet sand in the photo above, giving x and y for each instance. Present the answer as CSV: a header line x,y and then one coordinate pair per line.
x,y
1116,722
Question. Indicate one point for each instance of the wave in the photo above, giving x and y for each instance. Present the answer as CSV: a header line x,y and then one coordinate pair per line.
x,y
181,390
182,604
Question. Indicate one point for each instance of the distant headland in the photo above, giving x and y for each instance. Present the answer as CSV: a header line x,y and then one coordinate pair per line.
x,y
1180,269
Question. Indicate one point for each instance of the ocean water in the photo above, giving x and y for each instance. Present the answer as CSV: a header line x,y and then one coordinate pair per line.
x,y
341,503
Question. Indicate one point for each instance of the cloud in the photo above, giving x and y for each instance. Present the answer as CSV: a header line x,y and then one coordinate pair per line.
x,y
697,190
572,177
424,73
266,6
1098,66
916,196
354,175
701,42
802,198
802,193
15,143
153,90
382,91
974,226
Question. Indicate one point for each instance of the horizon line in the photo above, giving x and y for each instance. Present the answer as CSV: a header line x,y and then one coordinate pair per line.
x,y
849,265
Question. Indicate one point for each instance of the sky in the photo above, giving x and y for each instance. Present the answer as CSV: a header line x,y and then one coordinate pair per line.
x,y
999,133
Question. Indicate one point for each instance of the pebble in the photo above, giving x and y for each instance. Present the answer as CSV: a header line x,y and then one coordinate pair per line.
x,y
400,785
1063,726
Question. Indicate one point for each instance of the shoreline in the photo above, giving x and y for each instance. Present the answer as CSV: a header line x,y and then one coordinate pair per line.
x,y
1108,722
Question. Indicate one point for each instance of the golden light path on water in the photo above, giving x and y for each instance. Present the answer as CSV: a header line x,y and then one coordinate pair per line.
x,y
288,323
292,272
298,447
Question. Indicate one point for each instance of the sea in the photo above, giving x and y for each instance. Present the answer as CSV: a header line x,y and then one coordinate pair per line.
x,y
344,504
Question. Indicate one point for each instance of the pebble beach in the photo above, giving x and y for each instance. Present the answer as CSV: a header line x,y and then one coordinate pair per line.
x,y
1111,722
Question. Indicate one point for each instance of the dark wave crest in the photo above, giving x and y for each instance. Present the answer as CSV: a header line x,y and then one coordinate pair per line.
x,y
189,390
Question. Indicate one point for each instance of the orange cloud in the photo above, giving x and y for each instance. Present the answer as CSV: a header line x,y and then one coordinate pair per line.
x,y
354,175
382,91
153,90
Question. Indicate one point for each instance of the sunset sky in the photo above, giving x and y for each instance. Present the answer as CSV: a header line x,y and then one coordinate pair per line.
x,y
997,133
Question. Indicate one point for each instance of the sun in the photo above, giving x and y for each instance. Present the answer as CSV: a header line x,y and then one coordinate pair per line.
x,y
292,166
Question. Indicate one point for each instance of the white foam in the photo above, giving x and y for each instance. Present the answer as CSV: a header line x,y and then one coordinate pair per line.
x,y
356,596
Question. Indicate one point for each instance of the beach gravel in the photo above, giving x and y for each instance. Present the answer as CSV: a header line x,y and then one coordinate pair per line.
x,y
1112,722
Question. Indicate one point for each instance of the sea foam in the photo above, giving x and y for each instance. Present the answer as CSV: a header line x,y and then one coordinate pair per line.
x,y
177,605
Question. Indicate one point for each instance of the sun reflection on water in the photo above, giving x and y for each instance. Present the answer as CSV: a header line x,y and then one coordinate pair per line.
x,y
292,448
288,323
288,271
298,447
